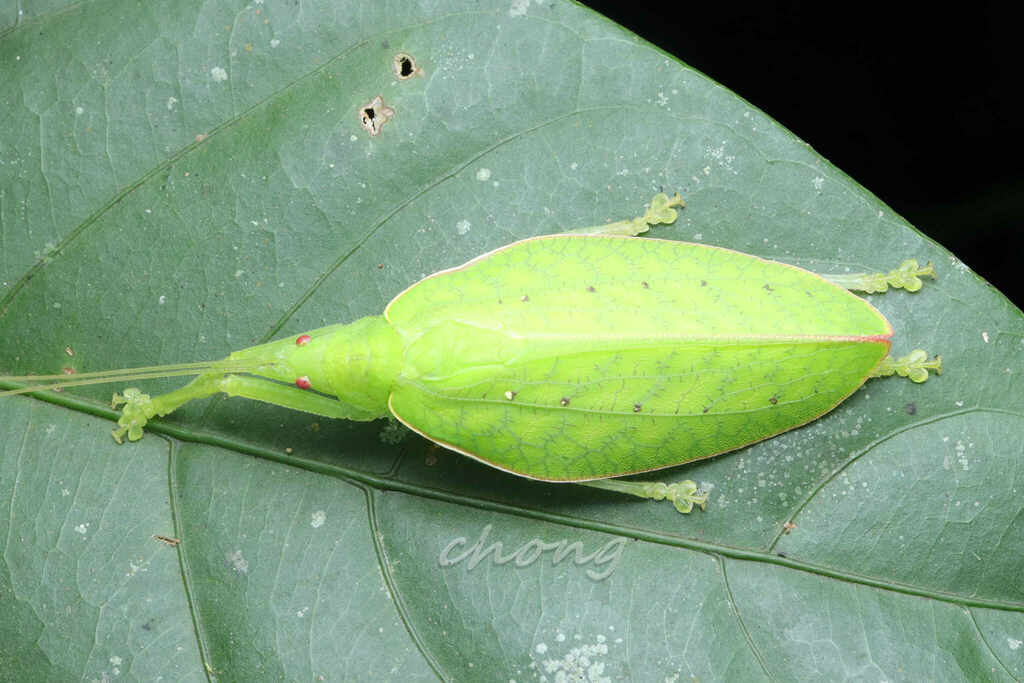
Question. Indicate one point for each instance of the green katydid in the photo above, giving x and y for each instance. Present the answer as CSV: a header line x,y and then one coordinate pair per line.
x,y
576,357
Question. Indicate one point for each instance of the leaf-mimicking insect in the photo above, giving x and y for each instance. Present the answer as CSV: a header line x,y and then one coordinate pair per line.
x,y
577,357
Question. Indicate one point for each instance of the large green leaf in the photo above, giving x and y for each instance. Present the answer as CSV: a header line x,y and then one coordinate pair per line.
x,y
178,180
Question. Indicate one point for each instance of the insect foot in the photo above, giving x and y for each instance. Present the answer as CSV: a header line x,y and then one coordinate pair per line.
x,y
914,366
682,494
663,209
908,276
138,408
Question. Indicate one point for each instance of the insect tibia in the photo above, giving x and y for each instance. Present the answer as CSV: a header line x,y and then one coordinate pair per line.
x,y
683,494
914,366
661,211
139,408
907,276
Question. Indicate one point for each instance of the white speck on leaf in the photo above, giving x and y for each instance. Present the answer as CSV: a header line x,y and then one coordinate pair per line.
x,y
463,226
171,101
82,528
580,663
818,183
961,456
219,74
483,174
274,42
79,110
518,8
238,563
541,648
134,569
984,335
319,517
1014,643
162,300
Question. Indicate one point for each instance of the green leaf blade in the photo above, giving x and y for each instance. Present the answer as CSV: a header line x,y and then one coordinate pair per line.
x,y
256,206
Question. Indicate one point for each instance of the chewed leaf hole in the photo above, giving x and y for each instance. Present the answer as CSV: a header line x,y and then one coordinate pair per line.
x,y
405,67
374,115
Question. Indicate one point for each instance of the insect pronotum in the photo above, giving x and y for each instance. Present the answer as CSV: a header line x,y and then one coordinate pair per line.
x,y
576,357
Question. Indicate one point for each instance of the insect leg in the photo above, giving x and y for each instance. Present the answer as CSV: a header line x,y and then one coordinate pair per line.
x,y
139,408
683,494
662,210
907,276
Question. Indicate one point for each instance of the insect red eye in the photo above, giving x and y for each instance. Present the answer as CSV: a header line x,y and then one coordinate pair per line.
x,y
303,382
303,339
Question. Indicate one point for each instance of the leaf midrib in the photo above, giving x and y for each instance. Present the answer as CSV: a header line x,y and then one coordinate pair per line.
x,y
386,483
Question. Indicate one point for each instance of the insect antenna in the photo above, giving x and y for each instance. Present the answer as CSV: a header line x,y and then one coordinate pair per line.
x,y
45,382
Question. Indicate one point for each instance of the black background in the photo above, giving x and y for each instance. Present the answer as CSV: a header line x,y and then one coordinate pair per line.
x,y
919,105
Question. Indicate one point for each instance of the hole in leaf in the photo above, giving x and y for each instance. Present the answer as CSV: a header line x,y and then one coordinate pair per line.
x,y
405,67
374,115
